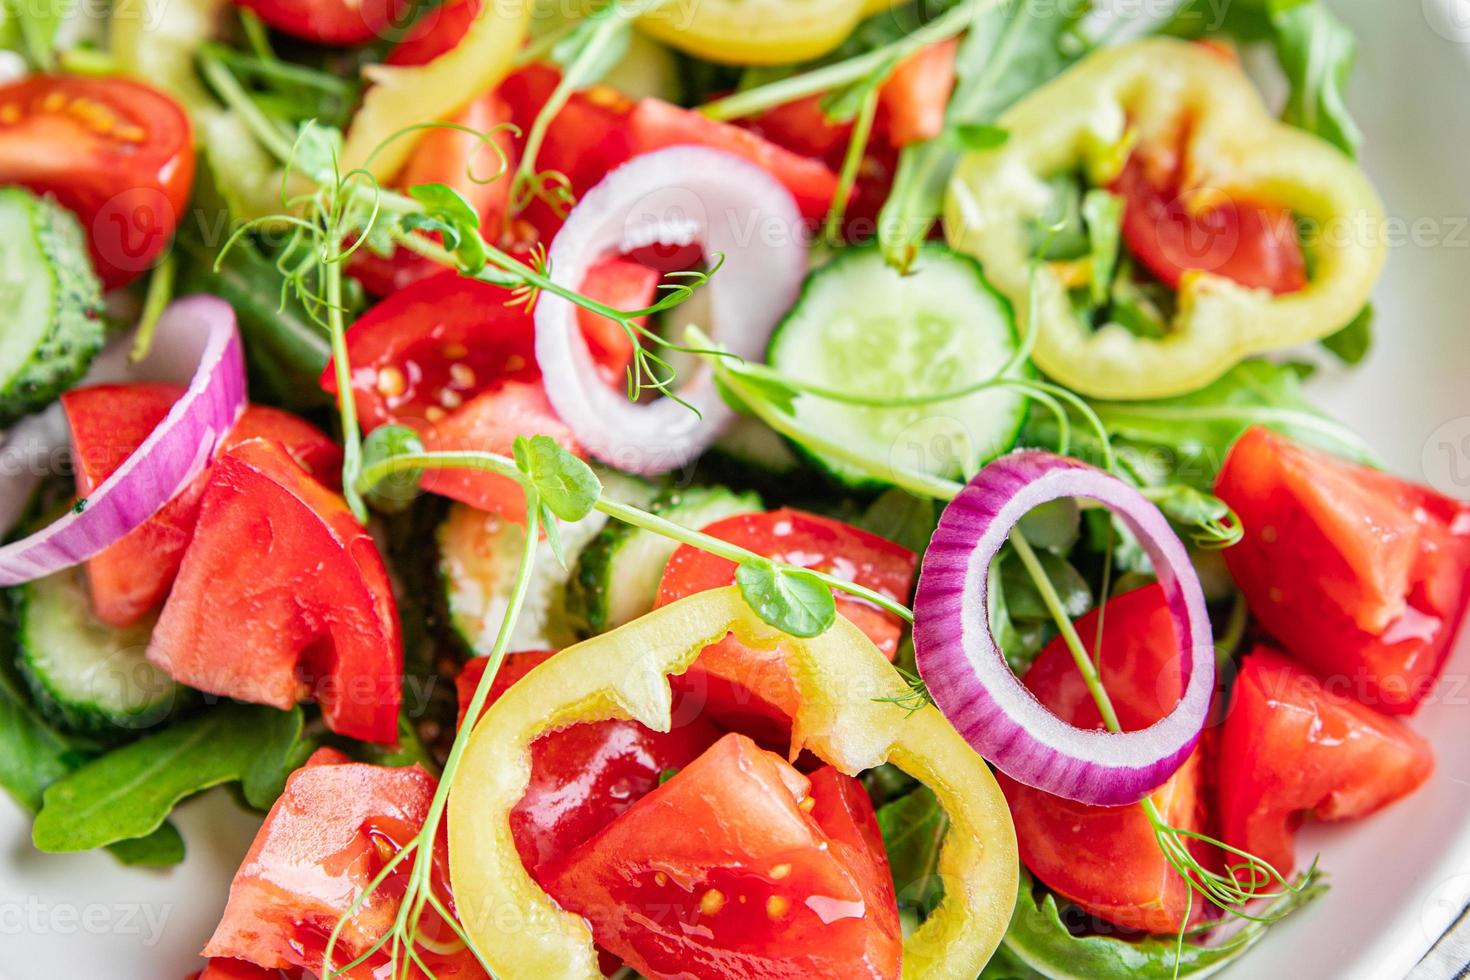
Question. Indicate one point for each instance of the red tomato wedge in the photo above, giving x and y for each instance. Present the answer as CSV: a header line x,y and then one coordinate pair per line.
x,y
655,124
1106,859
1362,577
335,827
435,31
584,776
460,160
1254,244
750,689
624,285
1292,748
333,22
117,153
225,969
282,595
913,99
108,423
723,872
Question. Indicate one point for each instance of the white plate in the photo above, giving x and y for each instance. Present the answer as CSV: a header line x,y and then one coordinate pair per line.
x,y
1398,879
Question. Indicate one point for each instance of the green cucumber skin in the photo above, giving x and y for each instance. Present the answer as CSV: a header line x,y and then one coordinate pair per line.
x,y
841,475
588,592
75,334
68,709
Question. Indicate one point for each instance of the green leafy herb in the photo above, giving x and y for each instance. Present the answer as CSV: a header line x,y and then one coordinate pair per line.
x,y
791,600
976,136
1010,49
1217,525
1024,604
1351,343
285,745
1102,213
913,829
1053,526
395,492
566,484
130,791
1316,51
902,518
1039,944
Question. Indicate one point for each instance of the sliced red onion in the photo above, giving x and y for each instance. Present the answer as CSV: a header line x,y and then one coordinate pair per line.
x,y
974,686
677,196
196,340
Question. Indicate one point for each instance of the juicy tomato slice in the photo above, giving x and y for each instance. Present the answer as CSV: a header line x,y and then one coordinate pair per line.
x,y
622,284
1362,577
655,124
748,688
584,776
585,140
1106,859
220,968
1253,244
335,22
282,595
913,99
723,872
334,828
1291,747
116,152
459,160
434,32
108,423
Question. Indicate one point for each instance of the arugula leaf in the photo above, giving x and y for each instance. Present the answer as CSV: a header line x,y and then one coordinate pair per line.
x,y
566,484
1102,213
1316,50
410,750
1023,601
33,755
1010,49
1351,343
130,791
1054,525
902,518
1019,643
1188,436
913,829
286,746
794,602
1038,944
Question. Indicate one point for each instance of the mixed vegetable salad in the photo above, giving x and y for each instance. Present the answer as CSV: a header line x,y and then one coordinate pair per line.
x,y
716,489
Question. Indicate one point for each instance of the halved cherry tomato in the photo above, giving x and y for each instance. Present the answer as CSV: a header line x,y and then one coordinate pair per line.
x,y
1253,244
1106,859
335,827
116,152
282,595
724,872
108,423
913,99
584,776
335,22
1364,578
1292,748
655,124
459,160
434,32
750,689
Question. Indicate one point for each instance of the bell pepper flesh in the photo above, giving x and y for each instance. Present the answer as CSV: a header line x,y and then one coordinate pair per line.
x,y
520,931
1145,93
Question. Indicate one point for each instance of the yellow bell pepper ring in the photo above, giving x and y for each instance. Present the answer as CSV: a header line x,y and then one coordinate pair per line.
x,y
521,932
1156,92
756,32
399,97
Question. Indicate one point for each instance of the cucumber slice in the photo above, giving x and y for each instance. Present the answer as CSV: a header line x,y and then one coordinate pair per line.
x,y
85,674
861,327
50,297
618,573
478,557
